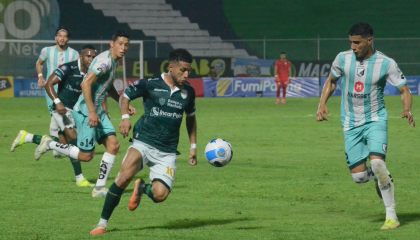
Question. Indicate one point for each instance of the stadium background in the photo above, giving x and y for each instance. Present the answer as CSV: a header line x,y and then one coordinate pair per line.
x,y
311,33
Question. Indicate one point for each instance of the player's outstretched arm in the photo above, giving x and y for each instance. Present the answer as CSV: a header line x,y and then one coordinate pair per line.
x,y
87,94
191,123
407,102
41,80
125,124
116,96
49,88
327,91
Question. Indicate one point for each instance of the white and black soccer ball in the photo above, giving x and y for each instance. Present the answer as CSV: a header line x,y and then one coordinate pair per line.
x,y
218,152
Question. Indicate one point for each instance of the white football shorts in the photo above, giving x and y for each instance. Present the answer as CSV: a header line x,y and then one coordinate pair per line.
x,y
64,121
162,165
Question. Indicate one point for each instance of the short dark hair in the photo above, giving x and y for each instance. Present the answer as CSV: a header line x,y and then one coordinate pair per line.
x,y
91,47
282,53
118,34
62,28
180,55
363,29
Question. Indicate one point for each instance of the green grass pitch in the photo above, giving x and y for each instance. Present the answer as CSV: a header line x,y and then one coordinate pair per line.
x,y
288,179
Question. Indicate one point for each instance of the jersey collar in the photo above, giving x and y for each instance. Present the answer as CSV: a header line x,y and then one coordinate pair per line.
x,y
176,89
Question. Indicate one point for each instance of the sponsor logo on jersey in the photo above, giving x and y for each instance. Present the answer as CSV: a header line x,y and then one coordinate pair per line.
x,y
162,101
73,67
160,90
152,79
358,95
184,93
359,87
174,104
102,67
224,87
360,72
156,112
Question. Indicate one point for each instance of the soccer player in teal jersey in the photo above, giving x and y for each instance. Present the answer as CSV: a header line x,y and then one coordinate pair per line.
x,y
156,135
364,72
54,57
93,125
68,77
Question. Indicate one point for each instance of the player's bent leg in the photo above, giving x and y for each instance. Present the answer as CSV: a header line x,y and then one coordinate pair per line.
x,y
386,186
132,163
362,174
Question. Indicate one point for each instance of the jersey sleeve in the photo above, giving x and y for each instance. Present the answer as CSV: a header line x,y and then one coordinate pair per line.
x,y
336,71
395,75
136,90
62,71
43,55
190,109
100,66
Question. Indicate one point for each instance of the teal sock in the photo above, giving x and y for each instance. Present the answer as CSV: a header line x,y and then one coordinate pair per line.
x,y
112,200
148,191
37,139
77,167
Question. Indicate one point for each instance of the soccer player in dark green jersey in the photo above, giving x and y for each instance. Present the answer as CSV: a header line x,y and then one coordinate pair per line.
x,y
156,135
68,77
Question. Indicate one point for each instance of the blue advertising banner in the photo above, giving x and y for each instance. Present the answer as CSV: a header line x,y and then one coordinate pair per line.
x,y
413,83
28,88
252,87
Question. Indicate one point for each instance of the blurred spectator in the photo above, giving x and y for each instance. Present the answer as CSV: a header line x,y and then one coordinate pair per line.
x,y
213,74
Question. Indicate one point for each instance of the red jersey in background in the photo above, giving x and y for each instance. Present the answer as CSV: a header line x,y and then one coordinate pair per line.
x,y
283,70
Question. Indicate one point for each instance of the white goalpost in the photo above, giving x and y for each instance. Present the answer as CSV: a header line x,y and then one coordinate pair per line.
x,y
23,54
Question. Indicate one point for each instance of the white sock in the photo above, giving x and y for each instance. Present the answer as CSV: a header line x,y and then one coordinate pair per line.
x,y
79,178
66,149
53,128
103,222
105,169
386,186
370,173
29,137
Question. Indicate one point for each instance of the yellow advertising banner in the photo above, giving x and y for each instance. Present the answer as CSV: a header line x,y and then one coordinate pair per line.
x,y
6,87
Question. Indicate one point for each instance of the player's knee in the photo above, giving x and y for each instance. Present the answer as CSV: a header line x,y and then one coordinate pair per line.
x,y
113,147
160,195
86,157
360,177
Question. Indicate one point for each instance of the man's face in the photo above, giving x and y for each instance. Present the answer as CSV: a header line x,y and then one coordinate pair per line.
x,y
87,57
283,56
120,46
62,38
179,72
360,46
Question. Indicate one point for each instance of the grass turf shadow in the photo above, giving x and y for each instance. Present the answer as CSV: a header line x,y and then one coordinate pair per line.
x,y
187,224
404,218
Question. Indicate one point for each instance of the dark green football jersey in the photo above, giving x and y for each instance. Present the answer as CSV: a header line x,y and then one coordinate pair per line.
x,y
69,88
163,110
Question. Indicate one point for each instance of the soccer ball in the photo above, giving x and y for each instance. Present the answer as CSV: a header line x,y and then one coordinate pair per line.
x,y
218,152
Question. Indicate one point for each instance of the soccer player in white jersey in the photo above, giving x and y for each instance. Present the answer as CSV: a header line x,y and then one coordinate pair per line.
x,y
364,72
54,57
93,125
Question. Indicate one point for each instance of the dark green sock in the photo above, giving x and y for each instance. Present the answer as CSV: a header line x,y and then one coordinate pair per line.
x,y
55,138
111,201
76,163
148,191
36,139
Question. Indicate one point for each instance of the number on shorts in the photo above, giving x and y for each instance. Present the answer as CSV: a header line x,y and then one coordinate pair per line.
x,y
89,142
170,171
